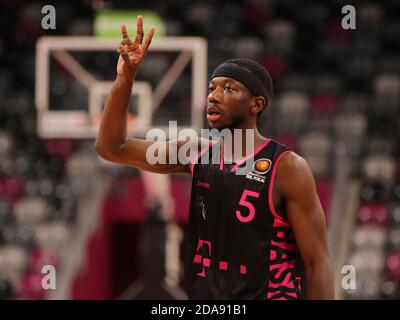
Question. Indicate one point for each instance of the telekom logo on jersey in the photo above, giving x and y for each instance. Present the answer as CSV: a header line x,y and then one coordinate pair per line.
x,y
205,245
162,153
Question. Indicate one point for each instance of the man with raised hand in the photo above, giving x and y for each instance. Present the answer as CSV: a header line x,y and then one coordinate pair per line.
x,y
258,235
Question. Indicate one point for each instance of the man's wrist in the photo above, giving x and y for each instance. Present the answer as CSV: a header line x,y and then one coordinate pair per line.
x,y
125,80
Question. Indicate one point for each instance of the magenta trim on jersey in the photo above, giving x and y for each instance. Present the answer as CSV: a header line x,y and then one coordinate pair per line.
x,y
280,222
271,185
191,165
260,147
221,158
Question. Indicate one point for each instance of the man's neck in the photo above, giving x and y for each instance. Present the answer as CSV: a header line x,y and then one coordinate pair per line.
x,y
246,143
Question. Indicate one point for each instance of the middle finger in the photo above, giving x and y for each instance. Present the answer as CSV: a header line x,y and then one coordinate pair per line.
x,y
139,32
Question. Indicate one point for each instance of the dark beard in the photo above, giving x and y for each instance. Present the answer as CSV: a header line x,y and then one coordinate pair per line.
x,y
235,123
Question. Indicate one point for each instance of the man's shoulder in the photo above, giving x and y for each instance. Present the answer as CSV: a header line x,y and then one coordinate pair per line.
x,y
293,173
292,161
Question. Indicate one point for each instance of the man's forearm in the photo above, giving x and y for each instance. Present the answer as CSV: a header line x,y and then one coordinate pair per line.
x,y
113,125
319,282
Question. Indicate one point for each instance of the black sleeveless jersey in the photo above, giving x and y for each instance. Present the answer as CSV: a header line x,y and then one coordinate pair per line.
x,y
238,245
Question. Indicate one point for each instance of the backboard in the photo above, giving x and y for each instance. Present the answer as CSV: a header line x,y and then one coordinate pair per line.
x,y
74,76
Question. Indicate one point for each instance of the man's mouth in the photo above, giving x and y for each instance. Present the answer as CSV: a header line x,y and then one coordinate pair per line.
x,y
213,114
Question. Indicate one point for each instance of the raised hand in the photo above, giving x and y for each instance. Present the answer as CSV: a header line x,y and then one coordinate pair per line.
x,y
131,52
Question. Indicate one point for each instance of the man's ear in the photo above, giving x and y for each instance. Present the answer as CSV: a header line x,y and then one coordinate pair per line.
x,y
258,105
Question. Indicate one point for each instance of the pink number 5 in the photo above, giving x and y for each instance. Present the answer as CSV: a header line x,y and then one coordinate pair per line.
x,y
247,204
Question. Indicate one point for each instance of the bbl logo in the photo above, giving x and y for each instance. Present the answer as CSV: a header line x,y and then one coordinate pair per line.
x,y
262,166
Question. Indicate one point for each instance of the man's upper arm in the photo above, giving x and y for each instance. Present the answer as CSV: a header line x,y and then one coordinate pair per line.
x,y
296,185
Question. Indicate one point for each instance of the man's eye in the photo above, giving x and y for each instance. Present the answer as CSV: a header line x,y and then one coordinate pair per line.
x,y
210,89
228,88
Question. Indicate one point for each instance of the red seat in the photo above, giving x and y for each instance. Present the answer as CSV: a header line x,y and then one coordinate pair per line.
x,y
323,104
289,140
11,189
392,265
276,66
60,148
40,257
30,287
373,212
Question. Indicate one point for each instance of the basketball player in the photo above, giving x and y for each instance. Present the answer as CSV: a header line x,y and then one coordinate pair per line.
x,y
261,235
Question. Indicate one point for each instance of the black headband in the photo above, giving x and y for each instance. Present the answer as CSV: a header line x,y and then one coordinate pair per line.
x,y
249,80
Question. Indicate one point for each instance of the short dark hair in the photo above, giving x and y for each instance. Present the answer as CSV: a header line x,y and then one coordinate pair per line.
x,y
259,71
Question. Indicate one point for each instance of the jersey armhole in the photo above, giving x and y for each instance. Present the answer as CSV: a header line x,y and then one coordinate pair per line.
x,y
271,187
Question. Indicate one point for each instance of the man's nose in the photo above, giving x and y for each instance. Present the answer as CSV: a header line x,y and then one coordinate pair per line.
x,y
213,96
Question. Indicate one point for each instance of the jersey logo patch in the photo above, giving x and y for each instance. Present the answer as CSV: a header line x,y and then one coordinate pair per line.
x,y
262,166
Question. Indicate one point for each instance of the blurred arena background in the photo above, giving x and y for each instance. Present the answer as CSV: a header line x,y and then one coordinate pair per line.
x,y
113,232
